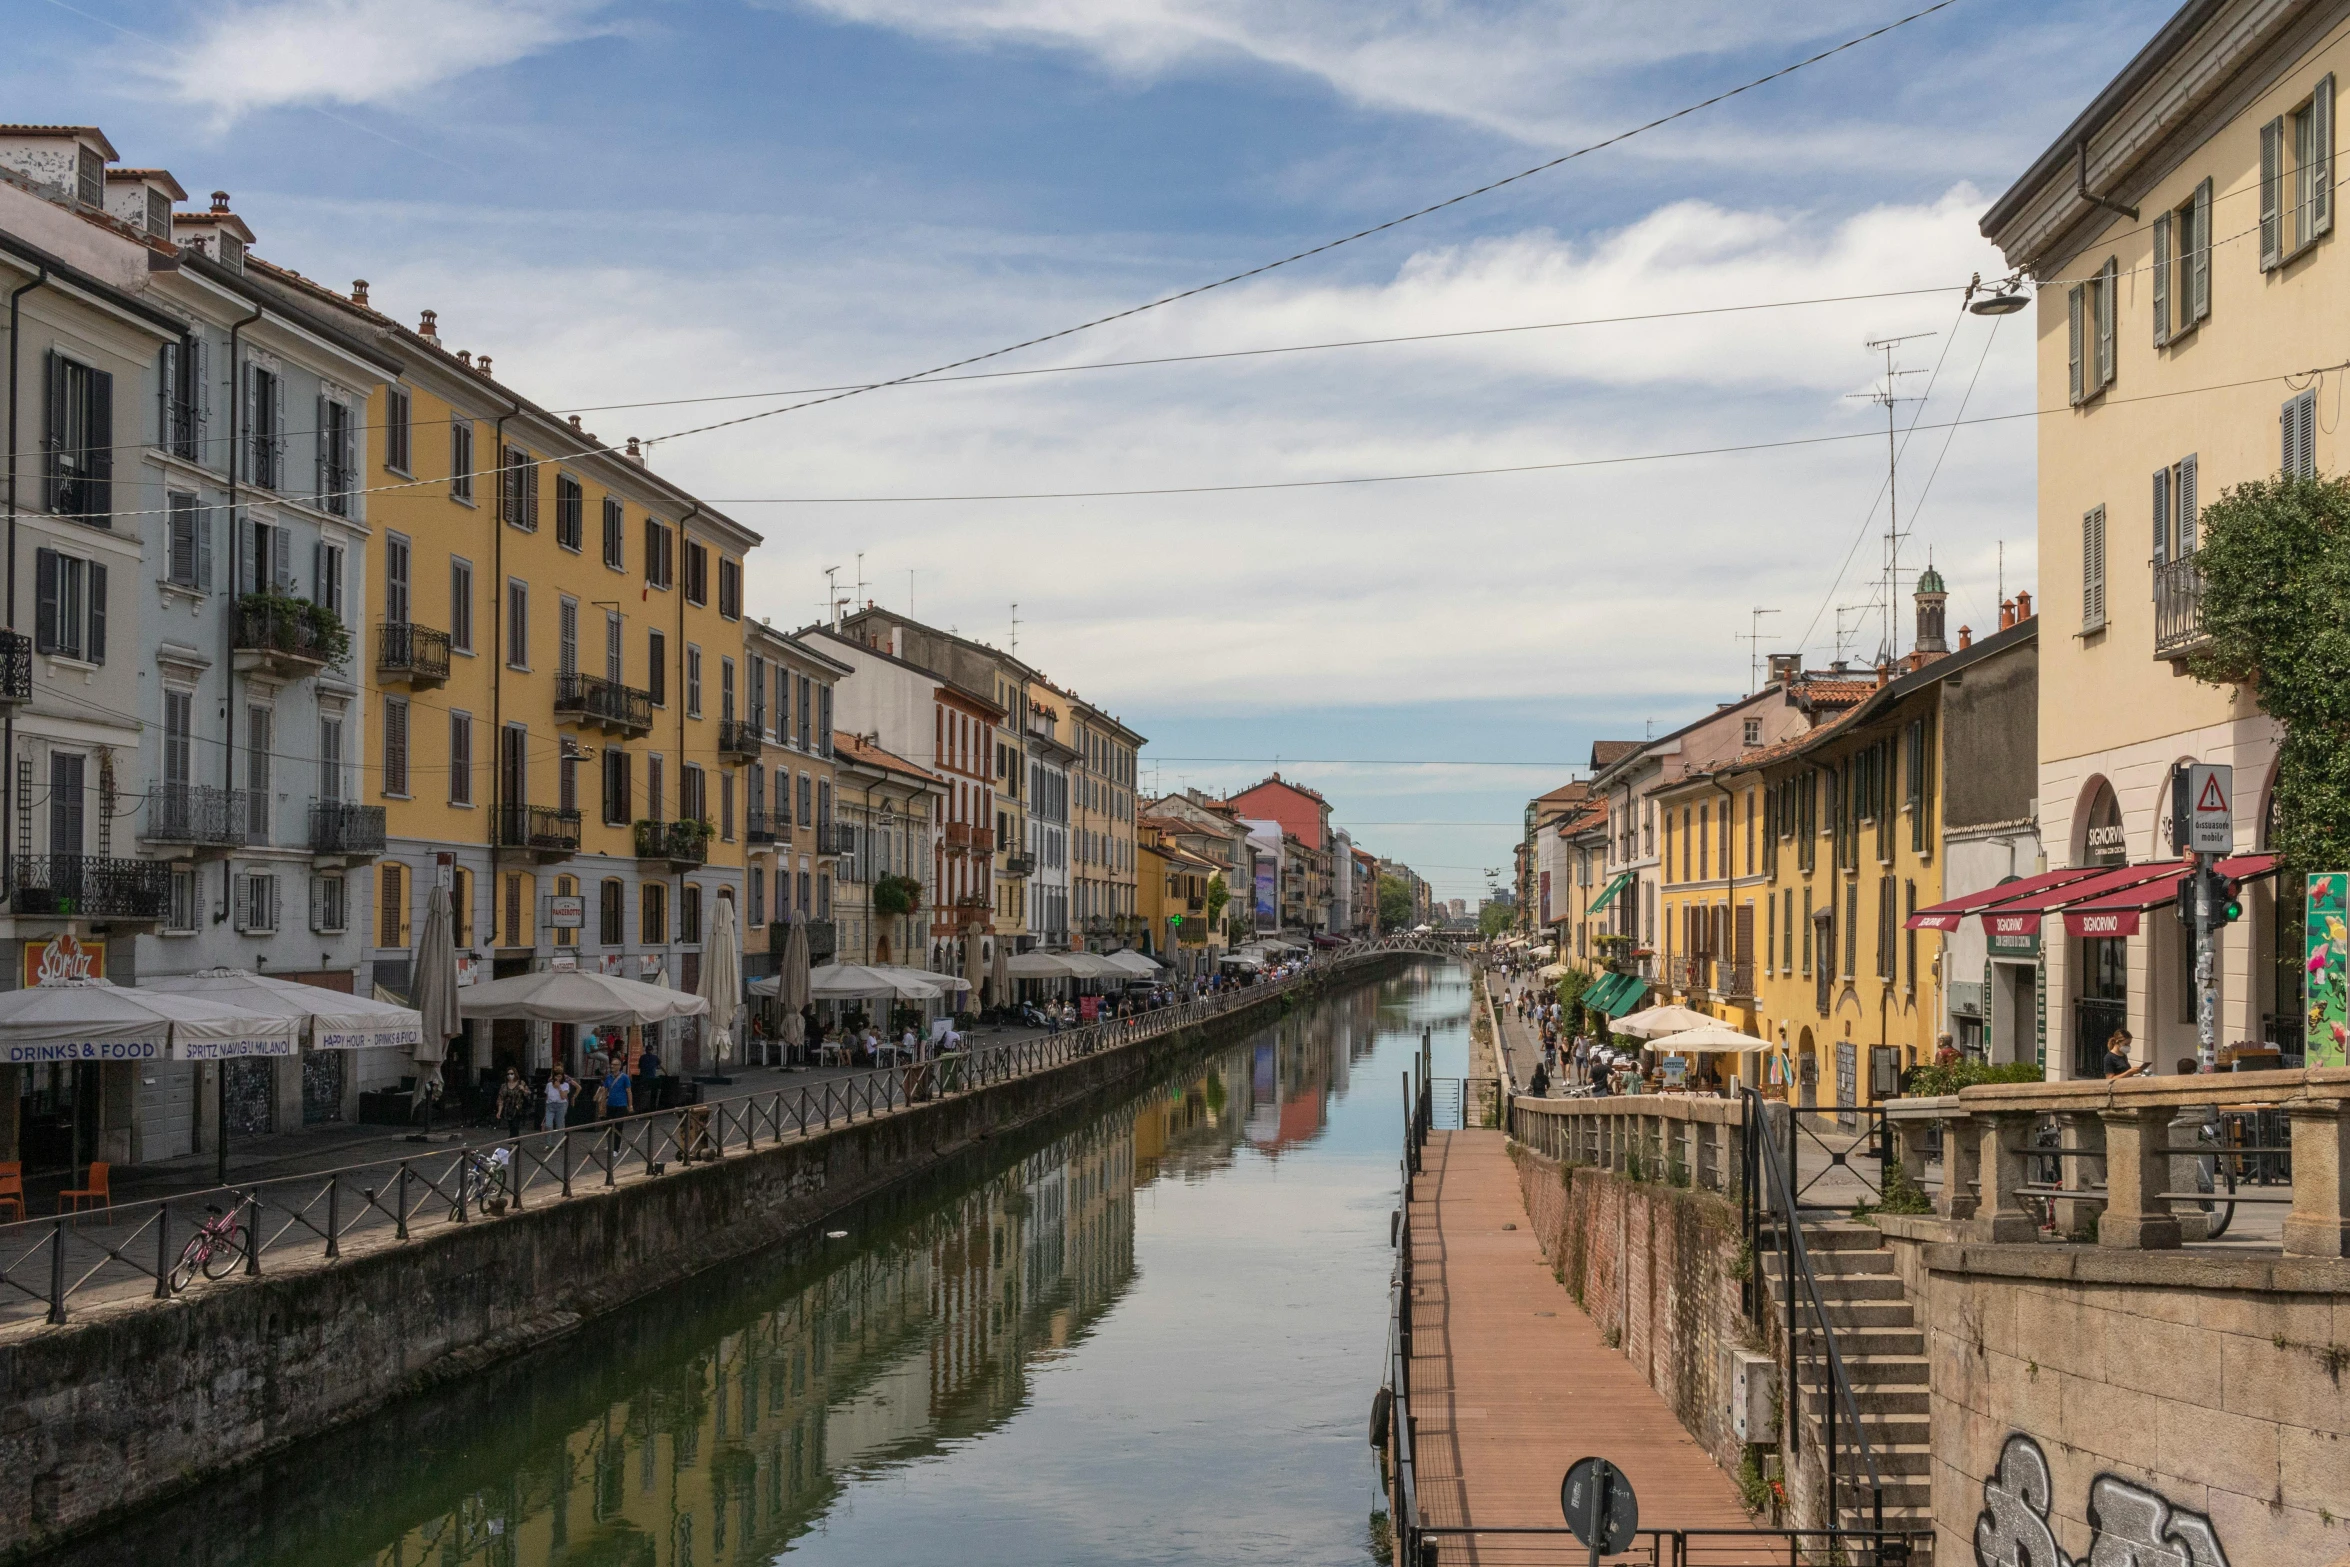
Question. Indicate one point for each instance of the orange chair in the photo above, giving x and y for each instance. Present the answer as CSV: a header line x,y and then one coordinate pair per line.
x,y
12,1186
97,1193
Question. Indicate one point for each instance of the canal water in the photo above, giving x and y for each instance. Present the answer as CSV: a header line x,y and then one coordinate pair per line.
x,y
1148,1334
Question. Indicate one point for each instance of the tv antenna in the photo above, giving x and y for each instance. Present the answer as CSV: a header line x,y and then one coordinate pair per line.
x,y
1752,637
832,597
1015,648
1888,396
1843,632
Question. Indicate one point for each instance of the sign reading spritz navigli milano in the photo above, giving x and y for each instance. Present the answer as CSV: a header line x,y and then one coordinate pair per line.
x,y
2325,975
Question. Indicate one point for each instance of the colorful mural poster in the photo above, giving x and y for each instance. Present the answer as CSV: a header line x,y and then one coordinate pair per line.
x,y
2326,978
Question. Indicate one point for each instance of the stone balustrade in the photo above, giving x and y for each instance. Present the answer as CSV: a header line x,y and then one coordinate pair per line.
x,y
2129,1156
1673,1139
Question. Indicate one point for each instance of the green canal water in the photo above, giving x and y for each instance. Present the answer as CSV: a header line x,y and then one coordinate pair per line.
x,y
1146,1334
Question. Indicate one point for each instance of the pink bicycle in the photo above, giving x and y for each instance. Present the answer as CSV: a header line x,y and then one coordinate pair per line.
x,y
216,1248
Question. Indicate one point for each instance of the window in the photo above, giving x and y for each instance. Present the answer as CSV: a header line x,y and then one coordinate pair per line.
x,y
460,602
615,521
693,799
1851,928
517,623
567,636
338,455
521,893
567,778
460,758
232,251
2090,304
396,746
78,448
461,905
730,588
824,721
263,442
190,526
660,562
2298,421
693,681
758,901
69,618
726,806
657,668
2093,570
330,756
180,915
697,573
158,215
518,490
2176,512
183,386
653,914
612,646
782,705
399,419
89,176
756,675
391,915
807,801
566,887
2182,267
256,903
1808,922
461,459
726,688
653,787
179,711
689,913
1753,734
805,704
269,558
2297,202
570,512
330,904
608,905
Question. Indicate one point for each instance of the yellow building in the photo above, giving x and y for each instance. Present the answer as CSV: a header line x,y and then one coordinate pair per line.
x,y
1171,892
554,651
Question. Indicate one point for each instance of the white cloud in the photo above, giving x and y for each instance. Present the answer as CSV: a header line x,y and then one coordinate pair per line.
x,y
376,52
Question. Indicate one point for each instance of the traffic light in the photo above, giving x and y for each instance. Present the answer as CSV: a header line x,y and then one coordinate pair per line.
x,y
2227,904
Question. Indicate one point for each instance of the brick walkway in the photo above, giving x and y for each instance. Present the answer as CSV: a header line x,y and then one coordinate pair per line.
x,y
1511,1383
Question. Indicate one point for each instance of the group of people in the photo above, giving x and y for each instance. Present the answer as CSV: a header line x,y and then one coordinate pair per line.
x,y
611,1087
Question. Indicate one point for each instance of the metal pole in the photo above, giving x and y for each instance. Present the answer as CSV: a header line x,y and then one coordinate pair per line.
x,y
2206,988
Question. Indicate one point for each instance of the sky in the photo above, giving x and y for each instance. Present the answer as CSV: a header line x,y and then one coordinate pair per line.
x,y
739,199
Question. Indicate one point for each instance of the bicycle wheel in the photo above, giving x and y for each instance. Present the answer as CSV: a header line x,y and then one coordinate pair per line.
x,y
226,1254
2222,1211
192,1255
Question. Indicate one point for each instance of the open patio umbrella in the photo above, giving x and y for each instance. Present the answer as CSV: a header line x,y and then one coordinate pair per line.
x,y
433,991
858,982
329,1019
1039,965
98,1020
576,996
1134,963
792,991
1710,1039
1659,1021
946,984
722,979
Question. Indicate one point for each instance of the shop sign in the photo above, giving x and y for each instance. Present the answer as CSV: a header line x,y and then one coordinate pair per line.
x,y
2012,943
567,911
63,957
2325,973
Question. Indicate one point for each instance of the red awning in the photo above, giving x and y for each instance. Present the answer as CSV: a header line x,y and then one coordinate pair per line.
x,y
1947,914
2021,916
2116,913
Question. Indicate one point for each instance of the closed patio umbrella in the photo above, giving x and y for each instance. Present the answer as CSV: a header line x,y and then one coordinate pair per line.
x,y
433,991
722,979
974,965
1000,979
792,991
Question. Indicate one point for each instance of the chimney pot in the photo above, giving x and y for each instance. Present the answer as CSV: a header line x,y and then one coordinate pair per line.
x,y
2006,613
220,201
1966,636
358,291
575,421
484,365
636,453
2023,605
429,325
465,357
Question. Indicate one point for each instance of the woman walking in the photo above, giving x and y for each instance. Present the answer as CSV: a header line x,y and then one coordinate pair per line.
x,y
513,1102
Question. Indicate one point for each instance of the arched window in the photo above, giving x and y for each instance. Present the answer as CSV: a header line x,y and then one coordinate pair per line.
x,y
2103,839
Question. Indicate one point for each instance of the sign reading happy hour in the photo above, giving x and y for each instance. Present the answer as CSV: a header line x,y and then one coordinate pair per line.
x,y
61,958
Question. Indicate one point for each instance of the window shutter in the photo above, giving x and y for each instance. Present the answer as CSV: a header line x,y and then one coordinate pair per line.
x,y
2272,190
318,572
652,552
2074,303
244,903
204,548
2161,517
2190,513
45,574
318,463
96,650
281,559
53,442
277,432
2197,255
2162,285
248,383
318,919
2107,299
2305,454
2287,417
2321,158
167,384
2093,569
98,452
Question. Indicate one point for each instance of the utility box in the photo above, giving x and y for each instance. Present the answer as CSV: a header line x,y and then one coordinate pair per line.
x,y
1754,1386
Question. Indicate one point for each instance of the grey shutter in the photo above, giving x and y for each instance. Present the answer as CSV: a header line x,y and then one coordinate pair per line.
x,y
2272,174
200,395
167,384
249,437
318,572
45,575
245,902
281,559
2075,303
2321,158
277,433
2162,270
2305,454
319,466
2093,569
2161,518
2189,511
95,652
318,919
2286,418
98,452
2197,255
2107,299
204,548
53,438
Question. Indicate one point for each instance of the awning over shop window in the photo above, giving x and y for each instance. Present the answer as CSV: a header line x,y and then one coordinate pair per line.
x,y
1608,893
1624,992
1947,914
2116,913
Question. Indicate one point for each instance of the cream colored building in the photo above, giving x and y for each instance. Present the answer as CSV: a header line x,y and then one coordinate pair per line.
x,y
2182,299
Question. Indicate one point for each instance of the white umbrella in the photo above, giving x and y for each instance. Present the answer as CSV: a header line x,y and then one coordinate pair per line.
x,y
1710,1039
791,991
1089,965
722,979
951,984
574,996
1134,963
97,1020
858,982
334,1019
433,990
1001,980
1657,1021
1039,965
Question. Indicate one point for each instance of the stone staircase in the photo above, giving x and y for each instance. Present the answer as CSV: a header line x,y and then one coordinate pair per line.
x,y
1884,1354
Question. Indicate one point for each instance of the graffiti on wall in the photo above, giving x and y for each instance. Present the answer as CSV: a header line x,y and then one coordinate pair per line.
x,y
2130,1525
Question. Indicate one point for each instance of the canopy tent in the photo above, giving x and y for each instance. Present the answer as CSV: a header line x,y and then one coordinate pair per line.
x,y
331,1019
1135,963
577,996
1038,965
2116,913
1664,1020
1711,1039
1092,965
1607,894
2020,915
946,984
1241,960
97,1020
722,979
1540,954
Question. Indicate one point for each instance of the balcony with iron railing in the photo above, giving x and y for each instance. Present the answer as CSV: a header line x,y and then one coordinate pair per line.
x,y
544,832
2178,607
738,738
16,668
759,826
832,838
684,844
345,827
1019,863
200,816
417,655
89,886
1732,980
591,699
284,638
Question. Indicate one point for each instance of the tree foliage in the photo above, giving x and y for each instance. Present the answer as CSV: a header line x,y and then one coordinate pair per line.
x,y
1495,918
1395,903
1218,896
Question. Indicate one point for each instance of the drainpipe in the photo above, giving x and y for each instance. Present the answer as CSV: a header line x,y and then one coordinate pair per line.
x,y
677,906
228,744
2082,190
8,745
498,646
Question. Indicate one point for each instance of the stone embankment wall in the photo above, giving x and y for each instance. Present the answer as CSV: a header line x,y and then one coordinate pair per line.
x,y
134,1402
1655,1267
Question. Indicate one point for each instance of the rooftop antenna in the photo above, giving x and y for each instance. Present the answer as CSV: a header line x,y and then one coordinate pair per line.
x,y
2003,571
1885,395
1844,633
909,593
832,596
1015,648
1753,641
860,600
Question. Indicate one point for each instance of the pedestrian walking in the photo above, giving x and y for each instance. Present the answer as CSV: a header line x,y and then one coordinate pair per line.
x,y
513,1102
616,1097
558,1101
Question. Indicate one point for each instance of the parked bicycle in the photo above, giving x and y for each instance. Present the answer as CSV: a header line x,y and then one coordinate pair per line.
x,y
482,1183
216,1248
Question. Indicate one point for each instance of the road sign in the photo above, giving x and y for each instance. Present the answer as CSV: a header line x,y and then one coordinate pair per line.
x,y
2211,793
1600,1506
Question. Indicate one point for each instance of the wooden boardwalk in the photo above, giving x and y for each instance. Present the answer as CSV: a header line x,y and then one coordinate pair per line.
x,y
1511,1384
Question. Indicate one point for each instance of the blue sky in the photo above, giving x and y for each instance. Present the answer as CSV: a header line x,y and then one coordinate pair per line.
x,y
625,204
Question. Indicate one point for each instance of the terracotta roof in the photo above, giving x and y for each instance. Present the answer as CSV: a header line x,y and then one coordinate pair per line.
x,y
160,177
1604,752
857,749
1832,693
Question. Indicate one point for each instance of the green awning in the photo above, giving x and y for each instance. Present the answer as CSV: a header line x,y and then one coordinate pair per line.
x,y
1608,895
1596,998
1623,996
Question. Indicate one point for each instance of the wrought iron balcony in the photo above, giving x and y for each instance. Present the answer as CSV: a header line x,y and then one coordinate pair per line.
x,y
591,699
90,886
417,654
1019,863
201,815
1733,980
545,832
738,738
759,826
16,668
680,843
284,638
342,827
2178,608
832,838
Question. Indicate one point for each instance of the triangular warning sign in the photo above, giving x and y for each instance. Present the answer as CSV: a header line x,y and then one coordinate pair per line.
x,y
2211,799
